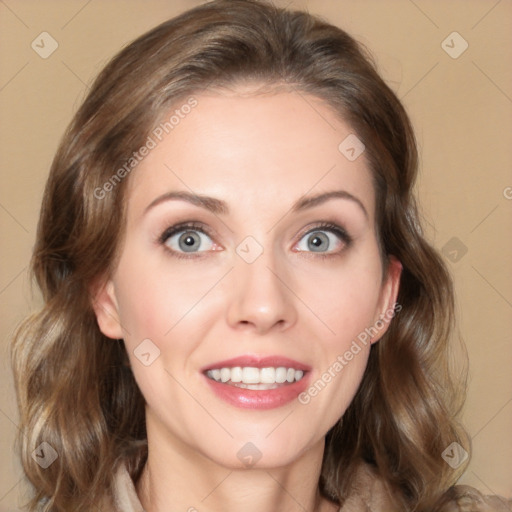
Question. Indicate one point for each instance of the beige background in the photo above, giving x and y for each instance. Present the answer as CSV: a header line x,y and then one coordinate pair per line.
x,y
461,109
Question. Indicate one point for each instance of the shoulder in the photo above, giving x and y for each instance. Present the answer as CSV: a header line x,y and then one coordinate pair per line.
x,y
463,498
370,492
123,497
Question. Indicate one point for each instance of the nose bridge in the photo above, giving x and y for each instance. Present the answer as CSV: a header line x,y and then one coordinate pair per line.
x,y
259,296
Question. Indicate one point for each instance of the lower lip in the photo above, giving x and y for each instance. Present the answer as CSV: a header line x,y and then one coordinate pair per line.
x,y
258,399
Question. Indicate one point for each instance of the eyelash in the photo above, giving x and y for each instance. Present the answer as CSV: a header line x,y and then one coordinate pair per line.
x,y
177,228
340,232
197,226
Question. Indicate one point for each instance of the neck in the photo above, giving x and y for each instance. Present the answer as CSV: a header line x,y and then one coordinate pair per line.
x,y
177,478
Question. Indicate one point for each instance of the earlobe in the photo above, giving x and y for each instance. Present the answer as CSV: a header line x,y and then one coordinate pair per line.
x,y
104,304
388,299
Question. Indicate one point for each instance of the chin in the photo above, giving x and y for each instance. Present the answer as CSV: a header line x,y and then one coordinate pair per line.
x,y
261,451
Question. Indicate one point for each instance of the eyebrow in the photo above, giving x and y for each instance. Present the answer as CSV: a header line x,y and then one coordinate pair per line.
x,y
219,207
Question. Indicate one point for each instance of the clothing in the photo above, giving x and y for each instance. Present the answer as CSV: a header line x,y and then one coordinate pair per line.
x,y
125,496
368,495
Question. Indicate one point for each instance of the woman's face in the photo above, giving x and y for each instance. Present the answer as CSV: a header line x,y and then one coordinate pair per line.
x,y
250,258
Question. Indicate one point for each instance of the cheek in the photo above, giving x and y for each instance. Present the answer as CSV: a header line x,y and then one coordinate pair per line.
x,y
344,301
155,295
344,298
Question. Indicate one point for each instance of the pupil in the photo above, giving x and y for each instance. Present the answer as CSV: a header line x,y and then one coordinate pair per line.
x,y
316,241
187,241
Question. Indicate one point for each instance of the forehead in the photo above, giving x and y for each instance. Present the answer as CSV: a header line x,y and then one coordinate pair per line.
x,y
256,151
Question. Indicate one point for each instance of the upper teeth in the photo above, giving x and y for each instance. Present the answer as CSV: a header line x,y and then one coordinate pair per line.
x,y
250,375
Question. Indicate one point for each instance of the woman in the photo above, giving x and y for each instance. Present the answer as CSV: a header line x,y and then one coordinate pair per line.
x,y
240,309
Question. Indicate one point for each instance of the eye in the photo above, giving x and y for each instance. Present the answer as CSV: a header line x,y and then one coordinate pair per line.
x,y
188,238
326,238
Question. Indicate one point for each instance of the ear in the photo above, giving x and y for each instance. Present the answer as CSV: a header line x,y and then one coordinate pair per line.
x,y
387,300
105,306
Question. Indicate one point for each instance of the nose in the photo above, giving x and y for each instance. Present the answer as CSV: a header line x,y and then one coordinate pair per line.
x,y
260,299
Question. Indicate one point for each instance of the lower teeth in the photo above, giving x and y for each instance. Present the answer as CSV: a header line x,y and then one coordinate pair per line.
x,y
253,386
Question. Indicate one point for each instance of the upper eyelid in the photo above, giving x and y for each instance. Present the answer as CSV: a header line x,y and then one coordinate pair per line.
x,y
324,226
185,226
330,226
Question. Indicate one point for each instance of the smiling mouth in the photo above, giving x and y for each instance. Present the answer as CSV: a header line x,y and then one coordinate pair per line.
x,y
249,377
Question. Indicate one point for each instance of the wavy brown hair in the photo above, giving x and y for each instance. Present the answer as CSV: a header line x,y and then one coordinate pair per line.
x,y
74,387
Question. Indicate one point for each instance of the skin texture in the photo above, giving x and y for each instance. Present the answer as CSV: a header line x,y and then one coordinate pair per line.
x,y
259,153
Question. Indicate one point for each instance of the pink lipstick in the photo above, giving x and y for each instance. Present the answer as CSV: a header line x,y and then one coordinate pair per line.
x,y
257,382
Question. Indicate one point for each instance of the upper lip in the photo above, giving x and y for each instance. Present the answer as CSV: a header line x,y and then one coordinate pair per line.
x,y
256,361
